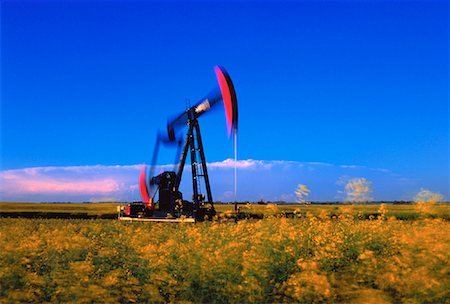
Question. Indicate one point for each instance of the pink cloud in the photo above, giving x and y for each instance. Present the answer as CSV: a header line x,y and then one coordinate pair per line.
x,y
53,186
33,182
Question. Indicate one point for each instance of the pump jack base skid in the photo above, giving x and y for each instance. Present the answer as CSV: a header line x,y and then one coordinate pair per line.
x,y
158,219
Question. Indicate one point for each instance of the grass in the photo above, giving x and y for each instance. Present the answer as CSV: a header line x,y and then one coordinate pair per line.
x,y
93,209
363,211
405,212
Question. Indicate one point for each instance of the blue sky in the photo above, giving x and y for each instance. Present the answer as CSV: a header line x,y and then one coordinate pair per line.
x,y
354,83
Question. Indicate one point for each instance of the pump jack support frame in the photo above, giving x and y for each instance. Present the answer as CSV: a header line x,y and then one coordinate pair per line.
x,y
193,134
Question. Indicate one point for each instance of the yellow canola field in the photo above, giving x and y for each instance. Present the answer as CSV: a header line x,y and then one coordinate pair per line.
x,y
307,259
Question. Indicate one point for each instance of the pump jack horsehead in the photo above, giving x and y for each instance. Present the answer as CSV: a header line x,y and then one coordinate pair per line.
x,y
170,205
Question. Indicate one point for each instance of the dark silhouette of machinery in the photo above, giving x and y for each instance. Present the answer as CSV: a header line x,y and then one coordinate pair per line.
x,y
170,205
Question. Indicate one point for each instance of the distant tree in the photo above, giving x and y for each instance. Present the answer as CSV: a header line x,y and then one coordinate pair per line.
x,y
262,202
302,192
358,190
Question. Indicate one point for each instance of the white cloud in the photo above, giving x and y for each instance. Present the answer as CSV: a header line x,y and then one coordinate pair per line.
x,y
286,197
226,196
273,180
241,164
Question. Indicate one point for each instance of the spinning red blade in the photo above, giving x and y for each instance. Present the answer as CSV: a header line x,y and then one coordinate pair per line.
x,y
143,186
229,98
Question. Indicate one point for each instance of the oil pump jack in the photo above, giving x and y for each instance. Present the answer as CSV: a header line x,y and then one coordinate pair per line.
x,y
170,205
